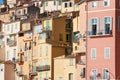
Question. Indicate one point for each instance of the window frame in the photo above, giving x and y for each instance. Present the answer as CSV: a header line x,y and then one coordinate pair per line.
x,y
94,54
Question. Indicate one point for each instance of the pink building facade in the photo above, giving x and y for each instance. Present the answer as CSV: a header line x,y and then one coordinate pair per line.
x,y
103,40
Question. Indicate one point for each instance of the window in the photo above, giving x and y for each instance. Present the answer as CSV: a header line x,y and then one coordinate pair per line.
x,y
60,37
34,53
27,26
70,4
34,66
94,26
70,76
106,2
47,25
46,75
60,78
40,51
93,53
71,62
68,37
107,25
46,3
40,62
46,61
82,72
8,28
65,5
55,2
46,50
7,55
16,26
107,53
40,75
60,1
14,53
105,74
21,69
94,4
12,28
93,75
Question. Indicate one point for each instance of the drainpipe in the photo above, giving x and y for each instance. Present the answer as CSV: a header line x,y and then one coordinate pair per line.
x,y
86,33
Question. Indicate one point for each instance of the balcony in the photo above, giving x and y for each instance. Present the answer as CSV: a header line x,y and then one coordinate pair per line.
x,y
43,68
100,33
11,42
20,61
33,73
20,73
82,61
45,37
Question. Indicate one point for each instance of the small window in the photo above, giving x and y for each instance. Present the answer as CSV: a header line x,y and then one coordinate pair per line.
x,y
71,76
60,37
93,53
94,4
54,2
46,3
40,51
71,62
105,74
107,53
68,37
70,4
65,5
93,75
46,50
106,3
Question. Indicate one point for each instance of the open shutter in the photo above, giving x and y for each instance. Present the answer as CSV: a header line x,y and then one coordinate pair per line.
x,y
111,21
97,25
90,27
103,25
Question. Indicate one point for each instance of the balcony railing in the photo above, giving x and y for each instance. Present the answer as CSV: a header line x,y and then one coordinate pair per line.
x,y
43,68
33,73
12,43
100,33
20,73
82,61
20,61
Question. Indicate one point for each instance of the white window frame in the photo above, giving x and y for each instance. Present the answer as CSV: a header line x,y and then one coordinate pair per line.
x,y
106,57
96,72
102,72
107,1
94,4
94,54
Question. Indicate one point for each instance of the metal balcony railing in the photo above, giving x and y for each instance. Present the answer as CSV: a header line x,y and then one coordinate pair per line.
x,y
12,43
43,68
99,33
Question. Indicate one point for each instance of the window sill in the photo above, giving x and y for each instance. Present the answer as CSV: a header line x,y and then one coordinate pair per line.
x,y
105,35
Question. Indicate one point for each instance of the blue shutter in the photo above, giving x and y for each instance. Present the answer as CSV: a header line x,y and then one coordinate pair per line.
x,y
103,25
97,25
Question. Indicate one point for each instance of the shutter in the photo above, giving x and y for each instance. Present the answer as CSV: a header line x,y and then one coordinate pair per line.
x,y
103,25
90,27
97,25
111,21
